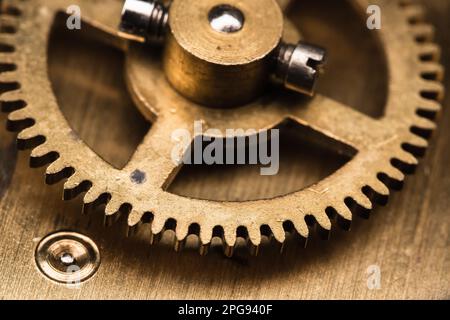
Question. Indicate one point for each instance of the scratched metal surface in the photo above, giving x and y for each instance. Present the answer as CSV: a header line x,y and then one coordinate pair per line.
x,y
409,239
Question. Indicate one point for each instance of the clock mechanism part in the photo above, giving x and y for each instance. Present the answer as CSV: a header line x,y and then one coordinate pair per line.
x,y
234,62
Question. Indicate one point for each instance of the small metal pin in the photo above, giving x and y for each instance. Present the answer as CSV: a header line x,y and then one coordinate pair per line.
x,y
143,20
298,66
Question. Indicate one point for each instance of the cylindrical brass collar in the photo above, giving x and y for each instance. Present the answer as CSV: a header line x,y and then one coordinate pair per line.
x,y
217,68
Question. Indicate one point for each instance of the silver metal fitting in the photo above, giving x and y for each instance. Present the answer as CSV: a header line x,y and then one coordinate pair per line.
x,y
298,66
67,257
143,20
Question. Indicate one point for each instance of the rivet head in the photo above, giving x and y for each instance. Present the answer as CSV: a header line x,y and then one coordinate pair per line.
x,y
67,257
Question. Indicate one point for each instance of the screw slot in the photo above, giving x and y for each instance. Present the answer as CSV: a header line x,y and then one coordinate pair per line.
x,y
226,19
67,257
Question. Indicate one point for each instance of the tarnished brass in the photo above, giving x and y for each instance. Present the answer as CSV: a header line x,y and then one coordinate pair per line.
x,y
217,68
386,148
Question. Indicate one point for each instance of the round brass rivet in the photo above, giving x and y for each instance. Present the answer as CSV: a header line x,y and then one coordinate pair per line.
x,y
67,257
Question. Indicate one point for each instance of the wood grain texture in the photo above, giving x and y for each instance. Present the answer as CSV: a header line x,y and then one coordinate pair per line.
x,y
408,240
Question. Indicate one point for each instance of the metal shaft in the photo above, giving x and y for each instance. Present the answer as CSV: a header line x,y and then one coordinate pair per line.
x,y
144,20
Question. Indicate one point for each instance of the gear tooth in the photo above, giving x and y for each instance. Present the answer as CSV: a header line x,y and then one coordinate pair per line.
x,y
158,224
114,209
423,32
92,195
423,127
229,236
407,158
11,96
206,234
428,108
7,54
181,231
41,151
42,155
323,220
18,115
8,79
93,198
415,145
404,161
418,141
432,71
7,40
181,234
18,121
300,226
430,105
395,173
74,186
57,171
415,13
12,8
30,136
425,123
254,235
322,224
377,192
343,215
380,188
9,24
159,227
363,200
29,133
356,208
429,52
134,222
290,228
73,181
432,90
113,206
392,177
56,167
135,218
278,232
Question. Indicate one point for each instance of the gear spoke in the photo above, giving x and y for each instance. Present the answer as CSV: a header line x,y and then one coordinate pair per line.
x,y
284,4
339,122
154,155
103,16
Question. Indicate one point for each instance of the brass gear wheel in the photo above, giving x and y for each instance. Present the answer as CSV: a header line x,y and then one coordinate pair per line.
x,y
387,148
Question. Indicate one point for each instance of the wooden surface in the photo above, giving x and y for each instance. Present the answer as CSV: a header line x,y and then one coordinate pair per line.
x,y
408,239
